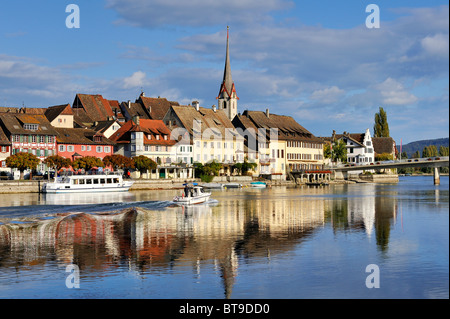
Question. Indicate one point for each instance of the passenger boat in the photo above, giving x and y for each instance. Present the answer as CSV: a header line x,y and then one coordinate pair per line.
x,y
232,185
192,195
258,184
87,183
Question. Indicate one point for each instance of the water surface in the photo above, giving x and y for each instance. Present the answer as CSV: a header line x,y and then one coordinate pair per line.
x,y
280,242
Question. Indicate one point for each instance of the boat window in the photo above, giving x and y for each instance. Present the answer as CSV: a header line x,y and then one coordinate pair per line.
x,y
81,181
89,181
75,181
116,180
109,180
102,181
95,180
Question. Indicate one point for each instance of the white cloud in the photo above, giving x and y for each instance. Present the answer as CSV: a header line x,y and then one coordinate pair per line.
x,y
394,93
327,95
437,44
137,79
157,13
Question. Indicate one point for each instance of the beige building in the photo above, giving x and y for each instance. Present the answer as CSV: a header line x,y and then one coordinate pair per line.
x,y
281,144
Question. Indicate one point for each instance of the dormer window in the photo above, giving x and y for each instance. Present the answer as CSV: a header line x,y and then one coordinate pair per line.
x,y
165,137
157,137
31,127
97,138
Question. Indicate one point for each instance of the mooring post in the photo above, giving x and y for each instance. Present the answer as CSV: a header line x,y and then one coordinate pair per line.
x,y
437,179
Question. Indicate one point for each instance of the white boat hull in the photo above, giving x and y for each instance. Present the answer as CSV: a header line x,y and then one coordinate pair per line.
x,y
85,190
87,184
192,200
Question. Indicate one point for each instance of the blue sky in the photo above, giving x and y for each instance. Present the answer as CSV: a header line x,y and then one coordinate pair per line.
x,y
314,60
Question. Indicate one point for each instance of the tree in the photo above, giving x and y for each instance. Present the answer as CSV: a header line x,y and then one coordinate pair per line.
x,y
87,163
22,161
143,164
443,151
244,167
381,126
336,151
57,162
117,161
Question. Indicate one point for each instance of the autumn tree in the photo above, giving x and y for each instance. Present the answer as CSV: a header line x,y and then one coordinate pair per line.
x,y
22,161
143,164
381,126
117,161
57,162
87,163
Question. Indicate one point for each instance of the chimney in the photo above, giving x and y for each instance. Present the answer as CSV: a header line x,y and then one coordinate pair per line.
x,y
333,137
136,119
267,113
214,108
129,104
196,104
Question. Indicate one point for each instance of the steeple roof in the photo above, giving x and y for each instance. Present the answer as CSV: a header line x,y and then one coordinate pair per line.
x,y
227,83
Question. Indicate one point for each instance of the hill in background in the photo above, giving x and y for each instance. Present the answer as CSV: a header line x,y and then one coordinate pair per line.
x,y
412,147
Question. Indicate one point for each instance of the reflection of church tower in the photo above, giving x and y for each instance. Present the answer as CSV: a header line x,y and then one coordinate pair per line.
x,y
227,98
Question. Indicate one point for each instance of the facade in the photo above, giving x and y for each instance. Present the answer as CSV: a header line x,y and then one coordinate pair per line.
x,y
227,98
5,150
151,138
360,149
89,108
210,133
29,133
60,115
282,145
79,142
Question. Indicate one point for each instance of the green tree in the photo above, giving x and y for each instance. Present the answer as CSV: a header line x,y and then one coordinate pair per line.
x,y
244,167
22,161
117,161
443,150
337,151
143,164
381,126
87,163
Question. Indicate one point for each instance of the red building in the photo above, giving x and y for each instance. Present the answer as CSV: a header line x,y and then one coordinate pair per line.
x,y
80,142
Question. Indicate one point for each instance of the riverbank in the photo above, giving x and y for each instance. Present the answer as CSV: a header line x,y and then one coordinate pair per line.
x,y
24,186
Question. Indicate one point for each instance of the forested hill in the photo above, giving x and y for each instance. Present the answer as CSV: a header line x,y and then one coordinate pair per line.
x,y
412,147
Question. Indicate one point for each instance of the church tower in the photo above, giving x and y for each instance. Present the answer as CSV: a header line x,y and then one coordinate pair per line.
x,y
227,98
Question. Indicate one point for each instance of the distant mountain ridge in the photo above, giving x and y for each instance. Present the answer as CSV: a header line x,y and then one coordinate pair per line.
x,y
412,147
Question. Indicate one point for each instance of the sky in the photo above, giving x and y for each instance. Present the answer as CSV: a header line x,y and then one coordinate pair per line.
x,y
317,61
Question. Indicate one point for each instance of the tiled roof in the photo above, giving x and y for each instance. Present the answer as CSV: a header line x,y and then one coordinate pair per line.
x,y
149,127
156,107
216,121
13,124
383,145
80,136
135,109
3,139
96,107
53,112
288,128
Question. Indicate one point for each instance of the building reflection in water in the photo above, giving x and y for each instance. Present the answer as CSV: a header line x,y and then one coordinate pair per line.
x,y
248,225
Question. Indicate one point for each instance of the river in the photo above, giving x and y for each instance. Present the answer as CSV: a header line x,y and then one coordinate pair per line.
x,y
339,241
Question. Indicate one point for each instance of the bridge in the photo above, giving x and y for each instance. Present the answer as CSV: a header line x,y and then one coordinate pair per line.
x,y
433,162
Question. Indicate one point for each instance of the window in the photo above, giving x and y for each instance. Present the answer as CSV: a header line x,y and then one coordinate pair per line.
x,y
33,138
89,181
89,148
205,144
83,147
99,149
95,180
165,137
42,139
3,149
133,135
62,148
31,127
107,149
81,181
369,143
69,148
157,137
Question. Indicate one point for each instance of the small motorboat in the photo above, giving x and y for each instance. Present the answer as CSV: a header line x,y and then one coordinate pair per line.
x,y
258,184
232,185
213,185
193,194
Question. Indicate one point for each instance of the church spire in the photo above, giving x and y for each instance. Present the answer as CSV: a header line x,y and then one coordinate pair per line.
x,y
227,93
